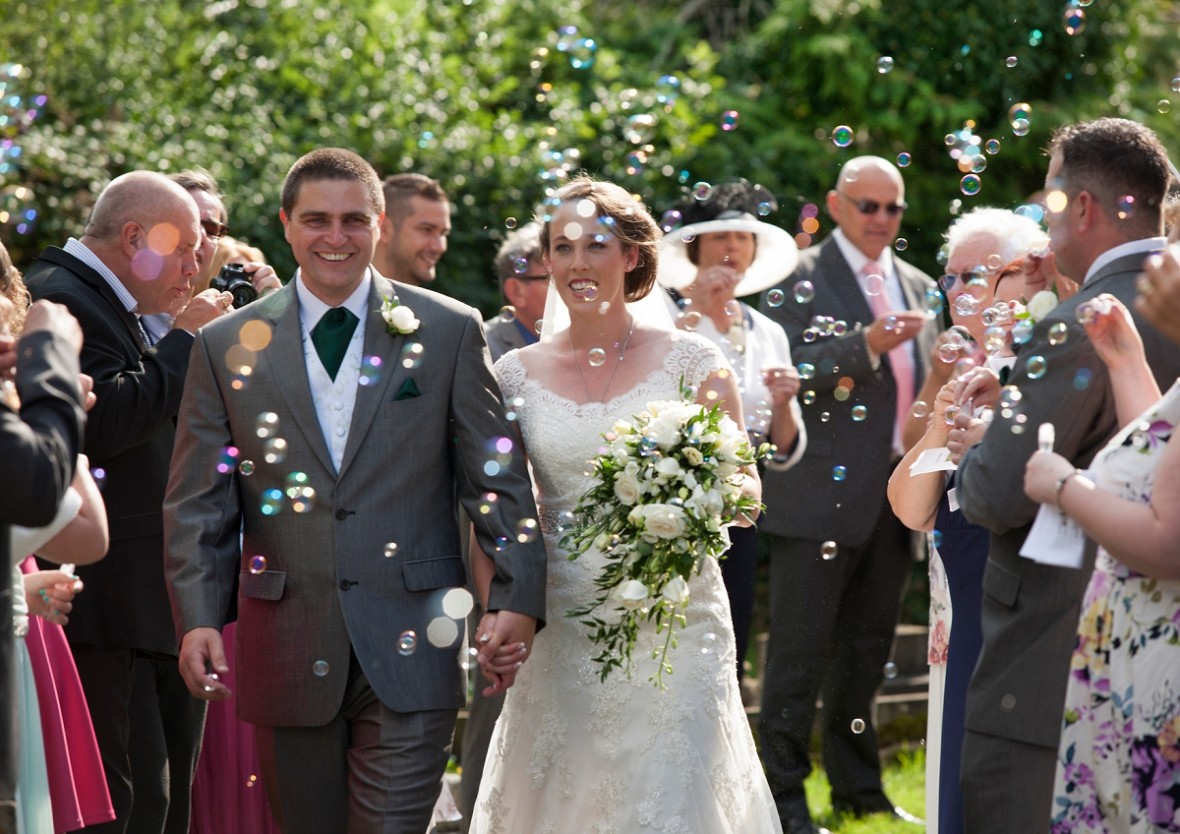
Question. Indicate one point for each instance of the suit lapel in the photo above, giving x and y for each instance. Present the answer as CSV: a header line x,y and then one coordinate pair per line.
x,y
64,259
289,368
843,283
381,345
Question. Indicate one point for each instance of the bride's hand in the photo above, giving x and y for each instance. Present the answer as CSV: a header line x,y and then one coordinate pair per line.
x,y
504,641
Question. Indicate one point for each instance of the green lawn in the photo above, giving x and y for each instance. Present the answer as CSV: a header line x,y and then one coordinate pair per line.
x,y
905,783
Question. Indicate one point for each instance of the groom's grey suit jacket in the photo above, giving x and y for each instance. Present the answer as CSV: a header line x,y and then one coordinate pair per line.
x,y
420,443
1030,610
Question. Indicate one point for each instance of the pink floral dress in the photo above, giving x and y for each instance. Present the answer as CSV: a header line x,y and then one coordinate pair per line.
x,y
1118,764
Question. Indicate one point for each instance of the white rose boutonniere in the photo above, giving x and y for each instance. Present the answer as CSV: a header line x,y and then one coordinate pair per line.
x,y
1041,304
399,319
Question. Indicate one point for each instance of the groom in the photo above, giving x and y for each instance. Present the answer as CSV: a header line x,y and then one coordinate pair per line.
x,y
320,458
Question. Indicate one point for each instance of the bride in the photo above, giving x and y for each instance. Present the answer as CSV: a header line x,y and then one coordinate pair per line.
x,y
570,752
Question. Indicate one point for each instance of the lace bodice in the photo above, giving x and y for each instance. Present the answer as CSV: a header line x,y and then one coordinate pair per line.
x,y
571,432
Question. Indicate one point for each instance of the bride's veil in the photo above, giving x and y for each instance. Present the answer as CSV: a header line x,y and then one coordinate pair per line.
x,y
651,311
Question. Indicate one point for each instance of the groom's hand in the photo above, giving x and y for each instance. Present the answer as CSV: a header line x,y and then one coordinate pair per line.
x,y
504,641
202,662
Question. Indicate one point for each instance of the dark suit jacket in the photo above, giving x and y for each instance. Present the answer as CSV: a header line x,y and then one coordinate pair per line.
x,y
1030,610
129,436
38,448
330,586
502,336
806,501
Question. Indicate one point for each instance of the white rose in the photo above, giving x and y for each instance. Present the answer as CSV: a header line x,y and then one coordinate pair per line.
x,y
401,319
675,590
632,593
705,503
668,467
731,444
627,487
693,456
664,430
1042,304
664,521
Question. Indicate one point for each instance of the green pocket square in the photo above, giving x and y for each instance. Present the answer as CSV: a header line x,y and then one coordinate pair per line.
x,y
408,391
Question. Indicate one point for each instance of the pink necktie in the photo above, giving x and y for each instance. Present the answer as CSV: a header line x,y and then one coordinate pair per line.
x,y
901,358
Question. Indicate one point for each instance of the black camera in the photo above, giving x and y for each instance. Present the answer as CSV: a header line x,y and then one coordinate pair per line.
x,y
235,280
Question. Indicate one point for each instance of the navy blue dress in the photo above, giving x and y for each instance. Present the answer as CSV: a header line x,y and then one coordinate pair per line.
x,y
963,548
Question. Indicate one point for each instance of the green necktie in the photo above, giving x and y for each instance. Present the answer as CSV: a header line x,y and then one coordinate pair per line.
x,y
331,337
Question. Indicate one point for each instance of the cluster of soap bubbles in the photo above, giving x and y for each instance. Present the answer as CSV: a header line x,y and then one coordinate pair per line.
x,y
823,326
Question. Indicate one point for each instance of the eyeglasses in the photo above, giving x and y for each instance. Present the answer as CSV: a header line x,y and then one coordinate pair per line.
x,y
872,206
214,229
529,278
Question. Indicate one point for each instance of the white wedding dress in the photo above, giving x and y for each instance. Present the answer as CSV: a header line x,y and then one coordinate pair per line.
x,y
572,754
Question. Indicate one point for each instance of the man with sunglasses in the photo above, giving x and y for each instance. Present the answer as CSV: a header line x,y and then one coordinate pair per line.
x,y
136,258
839,556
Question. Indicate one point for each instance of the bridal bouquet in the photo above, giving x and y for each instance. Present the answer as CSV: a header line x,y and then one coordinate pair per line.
x,y
666,485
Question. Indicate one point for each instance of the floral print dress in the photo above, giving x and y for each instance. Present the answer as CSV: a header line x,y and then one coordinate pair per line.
x,y
1118,766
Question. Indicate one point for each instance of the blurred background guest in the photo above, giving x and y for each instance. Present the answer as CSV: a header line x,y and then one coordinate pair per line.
x,y
856,315
723,252
524,283
415,229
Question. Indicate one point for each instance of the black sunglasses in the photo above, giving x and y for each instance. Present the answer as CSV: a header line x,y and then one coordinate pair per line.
x,y
214,229
527,278
872,206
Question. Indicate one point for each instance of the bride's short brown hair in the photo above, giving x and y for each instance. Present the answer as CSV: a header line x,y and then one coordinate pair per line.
x,y
628,219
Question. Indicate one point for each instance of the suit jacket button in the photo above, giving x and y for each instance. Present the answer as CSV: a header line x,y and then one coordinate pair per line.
x,y
344,584
341,515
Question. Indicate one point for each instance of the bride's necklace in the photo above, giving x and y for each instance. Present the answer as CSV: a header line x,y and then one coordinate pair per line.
x,y
614,367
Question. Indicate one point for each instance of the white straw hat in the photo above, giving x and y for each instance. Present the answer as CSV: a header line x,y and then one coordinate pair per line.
x,y
775,258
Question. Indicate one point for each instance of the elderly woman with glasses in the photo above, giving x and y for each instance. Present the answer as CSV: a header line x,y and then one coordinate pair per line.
x,y
986,253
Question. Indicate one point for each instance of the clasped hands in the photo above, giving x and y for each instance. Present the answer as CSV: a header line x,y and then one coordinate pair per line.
x,y
504,641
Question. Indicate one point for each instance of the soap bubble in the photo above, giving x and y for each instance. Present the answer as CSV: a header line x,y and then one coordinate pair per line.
x,y
596,357
842,136
257,564
828,550
904,160
804,292
407,643
970,185
858,725
884,65
320,668
729,120
1035,367
775,298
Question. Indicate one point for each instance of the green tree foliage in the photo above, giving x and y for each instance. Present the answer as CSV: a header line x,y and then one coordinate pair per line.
x,y
808,66
498,100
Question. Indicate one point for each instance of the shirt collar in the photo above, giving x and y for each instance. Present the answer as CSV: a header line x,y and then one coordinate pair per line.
x,y
83,253
313,308
1131,247
857,259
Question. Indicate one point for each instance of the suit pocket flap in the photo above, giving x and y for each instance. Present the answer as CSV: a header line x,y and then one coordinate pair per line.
x,y
1000,584
267,585
427,574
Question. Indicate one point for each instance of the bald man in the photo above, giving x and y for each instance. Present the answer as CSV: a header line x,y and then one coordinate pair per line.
x,y
839,557
137,257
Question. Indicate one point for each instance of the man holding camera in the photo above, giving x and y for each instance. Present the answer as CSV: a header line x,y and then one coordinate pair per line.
x,y
138,256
